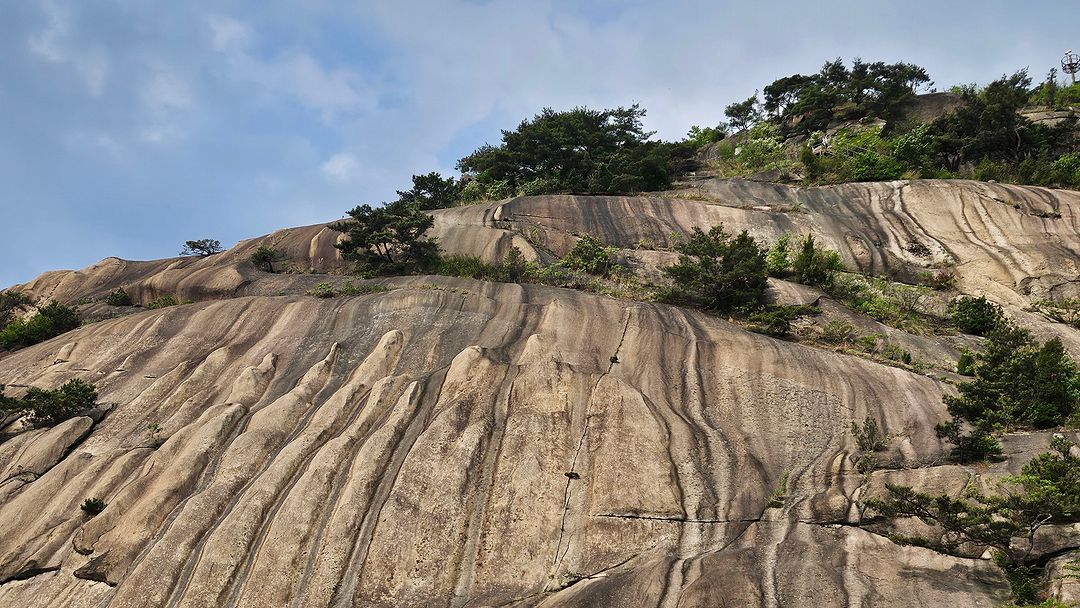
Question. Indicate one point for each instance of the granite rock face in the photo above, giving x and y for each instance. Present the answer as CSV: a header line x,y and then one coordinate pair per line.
x,y
451,442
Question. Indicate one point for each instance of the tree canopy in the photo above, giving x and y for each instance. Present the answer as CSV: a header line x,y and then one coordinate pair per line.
x,y
388,238
581,151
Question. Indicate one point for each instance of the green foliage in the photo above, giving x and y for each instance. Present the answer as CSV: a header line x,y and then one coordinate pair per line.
x,y
972,315
118,297
776,321
346,288
538,186
264,257
701,136
52,406
762,150
1046,491
815,265
862,155
1018,382
93,506
965,365
431,191
514,268
49,321
803,104
744,114
778,258
988,129
894,304
779,494
580,150
839,332
164,301
970,443
591,256
13,302
1066,310
202,247
153,432
388,239
869,440
720,272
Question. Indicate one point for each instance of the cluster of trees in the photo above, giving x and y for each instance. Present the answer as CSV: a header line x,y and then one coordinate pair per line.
x,y
986,137
988,133
800,104
729,273
580,151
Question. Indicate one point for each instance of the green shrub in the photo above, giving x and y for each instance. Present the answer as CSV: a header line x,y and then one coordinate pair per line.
x,y
776,321
264,257
93,506
52,406
515,268
839,332
162,302
49,321
322,290
118,297
720,272
1063,311
388,240
972,315
466,266
590,255
869,440
763,150
894,304
1067,169
472,192
346,288
538,186
815,265
778,259
965,365
1019,382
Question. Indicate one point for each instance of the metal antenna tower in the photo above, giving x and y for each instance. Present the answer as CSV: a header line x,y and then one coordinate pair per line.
x,y
1070,64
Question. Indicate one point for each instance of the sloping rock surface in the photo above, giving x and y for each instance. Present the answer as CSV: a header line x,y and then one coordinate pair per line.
x,y
458,443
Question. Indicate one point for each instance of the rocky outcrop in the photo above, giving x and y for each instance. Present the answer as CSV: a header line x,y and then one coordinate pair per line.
x,y
459,443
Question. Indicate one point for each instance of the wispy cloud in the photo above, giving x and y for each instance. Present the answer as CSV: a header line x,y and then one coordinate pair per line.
x,y
340,167
53,45
117,114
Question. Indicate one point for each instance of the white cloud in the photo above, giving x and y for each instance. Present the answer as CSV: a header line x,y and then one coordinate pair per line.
x,y
164,92
329,91
52,45
228,34
340,167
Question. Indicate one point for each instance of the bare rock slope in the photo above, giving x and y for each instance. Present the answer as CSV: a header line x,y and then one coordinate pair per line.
x,y
458,443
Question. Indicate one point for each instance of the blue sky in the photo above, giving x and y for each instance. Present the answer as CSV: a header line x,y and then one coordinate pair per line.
x,y
128,127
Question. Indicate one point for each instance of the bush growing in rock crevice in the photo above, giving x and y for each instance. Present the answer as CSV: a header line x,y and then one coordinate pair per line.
x,y
720,272
52,406
1016,383
1046,491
